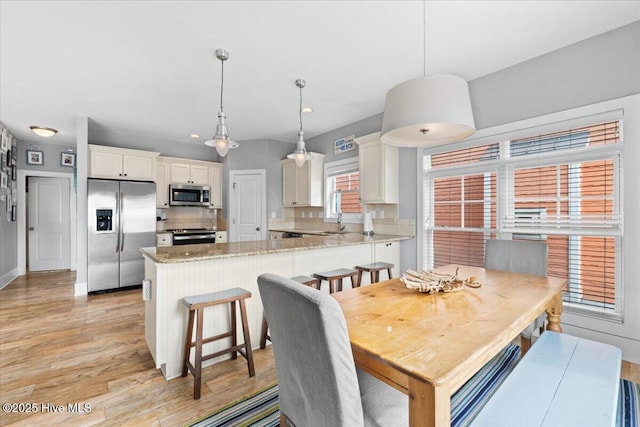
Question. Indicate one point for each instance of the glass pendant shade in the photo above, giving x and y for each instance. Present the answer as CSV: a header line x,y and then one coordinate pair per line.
x,y
221,140
429,110
300,155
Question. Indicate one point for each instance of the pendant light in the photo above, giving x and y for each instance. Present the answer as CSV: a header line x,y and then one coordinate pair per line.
x,y
428,110
221,139
301,154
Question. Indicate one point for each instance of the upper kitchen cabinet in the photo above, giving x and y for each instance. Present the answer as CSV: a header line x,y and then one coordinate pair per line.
x,y
215,182
302,186
162,183
378,170
189,172
121,163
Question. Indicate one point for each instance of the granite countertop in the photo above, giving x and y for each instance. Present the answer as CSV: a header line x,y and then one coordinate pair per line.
x,y
187,253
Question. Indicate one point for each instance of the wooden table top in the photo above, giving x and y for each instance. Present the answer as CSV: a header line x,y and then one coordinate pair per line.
x,y
444,338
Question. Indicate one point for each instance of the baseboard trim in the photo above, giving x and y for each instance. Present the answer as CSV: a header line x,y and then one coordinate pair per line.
x,y
80,289
8,277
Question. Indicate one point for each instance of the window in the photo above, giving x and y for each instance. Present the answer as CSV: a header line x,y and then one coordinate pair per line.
x,y
342,190
562,188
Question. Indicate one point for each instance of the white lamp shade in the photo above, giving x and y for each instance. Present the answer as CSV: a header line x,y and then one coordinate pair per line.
x,y
439,105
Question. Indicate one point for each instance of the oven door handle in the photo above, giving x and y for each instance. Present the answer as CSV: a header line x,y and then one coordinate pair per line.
x,y
194,237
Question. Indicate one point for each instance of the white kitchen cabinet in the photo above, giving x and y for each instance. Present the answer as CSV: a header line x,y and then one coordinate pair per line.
x,y
215,182
162,184
388,252
303,186
378,170
189,172
121,163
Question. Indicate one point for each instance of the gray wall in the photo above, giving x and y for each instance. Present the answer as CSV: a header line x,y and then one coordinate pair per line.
x,y
51,156
8,238
593,70
259,154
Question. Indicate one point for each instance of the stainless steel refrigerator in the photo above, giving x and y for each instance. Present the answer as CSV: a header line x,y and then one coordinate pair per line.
x,y
122,219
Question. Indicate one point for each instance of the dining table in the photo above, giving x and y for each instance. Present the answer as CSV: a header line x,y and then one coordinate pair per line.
x,y
428,345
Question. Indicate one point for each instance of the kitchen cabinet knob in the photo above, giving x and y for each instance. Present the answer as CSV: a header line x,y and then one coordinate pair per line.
x,y
31,228
257,228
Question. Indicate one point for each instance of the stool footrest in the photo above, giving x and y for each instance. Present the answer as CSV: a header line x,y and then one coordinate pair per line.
x,y
225,351
215,338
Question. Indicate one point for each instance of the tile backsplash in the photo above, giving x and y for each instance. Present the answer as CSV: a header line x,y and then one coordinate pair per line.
x,y
385,221
188,217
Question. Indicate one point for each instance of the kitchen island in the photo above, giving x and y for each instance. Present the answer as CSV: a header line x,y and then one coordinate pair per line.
x,y
178,271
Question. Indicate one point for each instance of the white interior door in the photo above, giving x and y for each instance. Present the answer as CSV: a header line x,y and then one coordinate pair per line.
x,y
247,205
48,223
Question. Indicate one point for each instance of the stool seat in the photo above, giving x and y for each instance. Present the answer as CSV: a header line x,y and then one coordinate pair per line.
x,y
196,305
374,270
337,275
205,300
305,280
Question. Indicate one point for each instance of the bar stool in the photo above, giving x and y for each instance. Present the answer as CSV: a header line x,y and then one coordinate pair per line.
x,y
305,280
337,276
374,270
196,305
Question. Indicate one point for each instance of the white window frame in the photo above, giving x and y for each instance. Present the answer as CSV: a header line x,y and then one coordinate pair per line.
x,y
504,168
331,169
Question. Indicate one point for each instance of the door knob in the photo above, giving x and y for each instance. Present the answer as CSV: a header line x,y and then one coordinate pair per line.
x,y
257,228
31,228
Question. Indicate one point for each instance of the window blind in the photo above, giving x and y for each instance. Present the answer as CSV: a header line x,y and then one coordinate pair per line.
x,y
562,188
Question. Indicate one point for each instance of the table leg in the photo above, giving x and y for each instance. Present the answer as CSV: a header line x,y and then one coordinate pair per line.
x,y
554,312
429,406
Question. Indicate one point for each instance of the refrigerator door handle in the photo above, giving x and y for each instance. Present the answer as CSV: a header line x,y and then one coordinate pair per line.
x,y
118,216
121,233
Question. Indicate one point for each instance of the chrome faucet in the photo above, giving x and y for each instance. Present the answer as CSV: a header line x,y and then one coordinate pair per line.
x,y
342,226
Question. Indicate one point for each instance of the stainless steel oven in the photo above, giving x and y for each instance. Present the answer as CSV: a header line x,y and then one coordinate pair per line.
x,y
193,236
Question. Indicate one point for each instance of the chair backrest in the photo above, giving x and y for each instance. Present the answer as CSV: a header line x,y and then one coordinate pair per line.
x,y
518,256
317,379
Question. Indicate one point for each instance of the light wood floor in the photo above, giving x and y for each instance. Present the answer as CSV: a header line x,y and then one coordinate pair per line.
x,y
58,349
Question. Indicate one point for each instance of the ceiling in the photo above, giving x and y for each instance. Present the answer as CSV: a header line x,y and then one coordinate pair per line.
x,y
146,70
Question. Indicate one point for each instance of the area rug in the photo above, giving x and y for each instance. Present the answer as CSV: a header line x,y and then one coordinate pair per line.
x,y
261,409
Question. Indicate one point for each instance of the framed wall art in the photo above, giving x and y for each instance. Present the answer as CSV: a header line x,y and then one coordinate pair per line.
x,y
35,157
5,140
3,180
68,159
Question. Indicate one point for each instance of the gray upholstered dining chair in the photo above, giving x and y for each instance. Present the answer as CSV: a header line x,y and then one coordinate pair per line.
x,y
519,256
318,382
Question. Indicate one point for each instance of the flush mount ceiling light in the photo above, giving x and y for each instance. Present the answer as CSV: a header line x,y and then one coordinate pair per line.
x,y
42,131
301,154
221,139
428,110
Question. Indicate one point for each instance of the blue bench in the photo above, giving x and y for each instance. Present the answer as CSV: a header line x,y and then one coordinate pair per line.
x,y
562,381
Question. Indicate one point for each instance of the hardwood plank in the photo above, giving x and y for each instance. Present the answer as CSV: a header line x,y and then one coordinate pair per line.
x,y
57,348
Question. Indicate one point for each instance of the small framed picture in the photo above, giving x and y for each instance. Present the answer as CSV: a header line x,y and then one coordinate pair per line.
x,y
14,173
14,213
68,159
5,140
14,194
3,180
35,157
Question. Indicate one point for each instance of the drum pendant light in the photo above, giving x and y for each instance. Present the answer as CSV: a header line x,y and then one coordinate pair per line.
x,y
429,110
300,155
221,139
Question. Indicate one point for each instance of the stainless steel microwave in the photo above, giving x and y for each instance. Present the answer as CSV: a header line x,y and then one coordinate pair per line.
x,y
189,195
